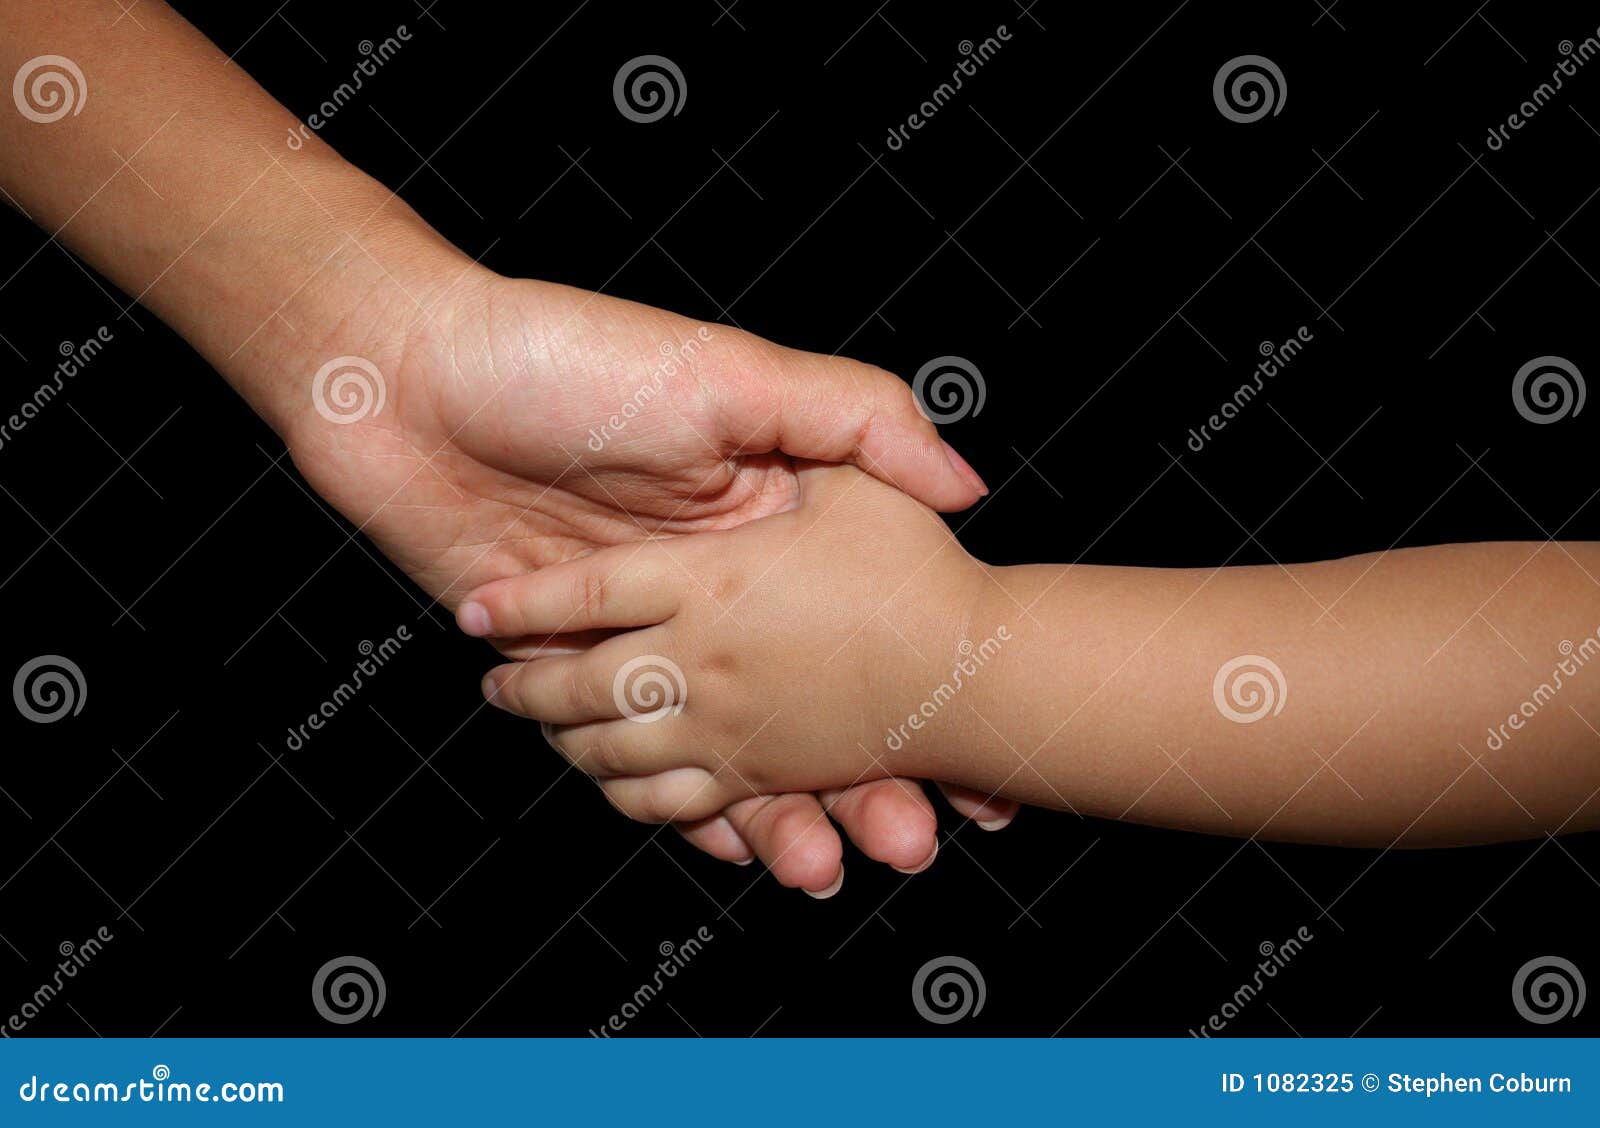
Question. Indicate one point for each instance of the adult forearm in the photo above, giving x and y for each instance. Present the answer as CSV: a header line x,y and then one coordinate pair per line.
x,y
171,175
1435,695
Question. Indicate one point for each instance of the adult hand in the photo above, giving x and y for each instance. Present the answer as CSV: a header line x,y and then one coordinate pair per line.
x,y
526,423
279,263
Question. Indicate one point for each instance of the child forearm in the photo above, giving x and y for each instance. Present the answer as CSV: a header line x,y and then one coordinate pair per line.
x,y
1426,697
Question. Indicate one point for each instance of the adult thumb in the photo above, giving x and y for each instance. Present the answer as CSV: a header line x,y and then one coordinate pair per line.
x,y
832,409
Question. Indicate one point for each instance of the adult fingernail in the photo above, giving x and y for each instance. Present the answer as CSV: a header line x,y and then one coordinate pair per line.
x,y
995,824
964,468
491,689
473,619
824,894
926,862
744,861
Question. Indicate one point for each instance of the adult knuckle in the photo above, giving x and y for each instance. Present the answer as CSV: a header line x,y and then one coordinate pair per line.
x,y
791,823
505,612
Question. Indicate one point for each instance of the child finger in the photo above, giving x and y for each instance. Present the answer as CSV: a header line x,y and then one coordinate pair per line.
x,y
671,796
524,647
610,750
628,586
609,681
716,836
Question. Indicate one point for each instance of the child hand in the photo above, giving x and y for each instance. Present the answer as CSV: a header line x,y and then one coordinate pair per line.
x,y
781,656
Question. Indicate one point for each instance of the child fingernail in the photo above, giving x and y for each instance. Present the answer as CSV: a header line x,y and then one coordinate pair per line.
x,y
824,894
964,468
473,619
491,689
926,862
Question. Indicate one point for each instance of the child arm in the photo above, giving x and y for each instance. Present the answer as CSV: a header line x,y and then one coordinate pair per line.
x,y
1427,696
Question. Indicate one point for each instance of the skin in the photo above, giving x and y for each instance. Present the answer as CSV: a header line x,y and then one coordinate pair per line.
x,y
1090,688
173,180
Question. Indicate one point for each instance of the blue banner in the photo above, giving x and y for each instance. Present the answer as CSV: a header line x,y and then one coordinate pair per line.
x,y
782,1082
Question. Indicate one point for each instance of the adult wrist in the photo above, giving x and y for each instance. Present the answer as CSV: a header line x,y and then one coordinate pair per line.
x,y
341,268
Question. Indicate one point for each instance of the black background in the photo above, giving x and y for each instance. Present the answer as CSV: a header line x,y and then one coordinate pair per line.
x,y
1427,269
